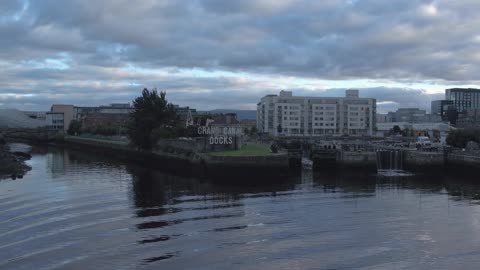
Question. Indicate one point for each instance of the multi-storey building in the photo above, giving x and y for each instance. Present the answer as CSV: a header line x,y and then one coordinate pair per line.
x,y
412,115
440,106
464,98
288,115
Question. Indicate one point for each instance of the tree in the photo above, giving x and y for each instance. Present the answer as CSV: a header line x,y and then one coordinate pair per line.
x,y
152,118
397,129
460,138
74,128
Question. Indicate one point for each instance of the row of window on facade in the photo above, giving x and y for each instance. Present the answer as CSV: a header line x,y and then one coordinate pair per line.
x,y
324,119
326,113
324,124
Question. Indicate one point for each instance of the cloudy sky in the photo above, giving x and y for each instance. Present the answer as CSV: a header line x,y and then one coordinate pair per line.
x,y
227,54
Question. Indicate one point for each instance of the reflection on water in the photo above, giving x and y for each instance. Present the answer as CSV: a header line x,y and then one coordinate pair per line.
x,y
75,210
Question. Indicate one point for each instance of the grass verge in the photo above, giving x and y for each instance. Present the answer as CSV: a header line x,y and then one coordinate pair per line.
x,y
246,150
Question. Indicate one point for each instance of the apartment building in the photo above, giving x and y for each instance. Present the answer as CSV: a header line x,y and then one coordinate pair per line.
x,y
463,98
288,115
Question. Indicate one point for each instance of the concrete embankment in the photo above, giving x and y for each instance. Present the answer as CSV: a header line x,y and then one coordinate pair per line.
x,y
367,160
418,160
267,168
464,159
178,157
181,163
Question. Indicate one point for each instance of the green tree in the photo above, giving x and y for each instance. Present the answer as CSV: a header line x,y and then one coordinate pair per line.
x,y
151,119
74,128
397,129
460,137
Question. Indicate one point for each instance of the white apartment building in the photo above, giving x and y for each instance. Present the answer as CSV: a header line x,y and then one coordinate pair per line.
x,y
288,115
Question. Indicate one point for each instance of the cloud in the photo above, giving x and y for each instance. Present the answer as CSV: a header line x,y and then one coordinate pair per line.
x,y
66,50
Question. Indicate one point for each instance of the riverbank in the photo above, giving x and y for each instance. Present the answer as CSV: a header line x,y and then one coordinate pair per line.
x,y
12,165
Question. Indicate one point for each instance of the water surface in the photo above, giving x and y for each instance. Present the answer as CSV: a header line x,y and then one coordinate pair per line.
x,y
75,210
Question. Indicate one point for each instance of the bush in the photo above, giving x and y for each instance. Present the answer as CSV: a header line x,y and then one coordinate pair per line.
x,y
106,131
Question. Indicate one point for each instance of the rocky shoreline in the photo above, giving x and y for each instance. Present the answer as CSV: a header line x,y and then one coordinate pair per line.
x,y
12,164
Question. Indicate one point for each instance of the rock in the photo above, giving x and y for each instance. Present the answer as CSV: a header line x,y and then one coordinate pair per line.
x,y
22,155
12,165
472,146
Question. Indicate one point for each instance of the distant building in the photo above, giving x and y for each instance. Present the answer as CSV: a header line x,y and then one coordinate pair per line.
x,y
408,115
183,111
381,118
186,115
248,123
106,120
288,115
79,113
56,121
412,115
469,118
437,131
116,108
68,114
223,118
439,107
463,98
36,115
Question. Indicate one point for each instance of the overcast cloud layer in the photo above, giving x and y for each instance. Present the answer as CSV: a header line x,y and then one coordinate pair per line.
x,y
227,54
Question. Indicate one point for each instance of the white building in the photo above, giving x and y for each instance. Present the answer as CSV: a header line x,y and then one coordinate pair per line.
x,y
288,115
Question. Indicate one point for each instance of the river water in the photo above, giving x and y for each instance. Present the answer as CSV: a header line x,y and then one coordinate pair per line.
x,y
75,210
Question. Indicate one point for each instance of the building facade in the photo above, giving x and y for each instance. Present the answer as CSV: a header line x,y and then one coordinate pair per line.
x,y
412,115
464,98
93,121
55,121
68,114
288,115
439,107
